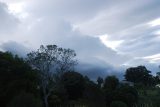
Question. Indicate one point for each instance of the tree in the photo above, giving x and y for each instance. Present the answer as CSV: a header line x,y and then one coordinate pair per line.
x,y
158,74
126,94
138,75
111,83
100,81
93,95
74,83
51,62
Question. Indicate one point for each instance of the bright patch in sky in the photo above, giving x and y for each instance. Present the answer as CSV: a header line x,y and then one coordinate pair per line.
x,y
16,7
157,32
155,22
153,58
112,44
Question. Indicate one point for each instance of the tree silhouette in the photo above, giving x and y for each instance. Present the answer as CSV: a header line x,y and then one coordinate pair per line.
x,y
74,83
99,81
138,75
51,61
110,83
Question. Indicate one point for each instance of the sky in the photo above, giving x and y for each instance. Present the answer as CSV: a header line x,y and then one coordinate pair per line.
x,y
107,35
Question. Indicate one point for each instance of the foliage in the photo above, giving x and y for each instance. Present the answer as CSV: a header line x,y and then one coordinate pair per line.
x,y
127,94
115,91
151,99
58,96
93,95
118,104
74,84
158,74
15,76
25,100
139,75
111,83
99,81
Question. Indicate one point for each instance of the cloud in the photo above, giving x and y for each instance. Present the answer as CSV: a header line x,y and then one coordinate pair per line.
x,y
80,25
54,30
94,71
8,22
15,48
153,67
48,31
71,10
120,16
140,41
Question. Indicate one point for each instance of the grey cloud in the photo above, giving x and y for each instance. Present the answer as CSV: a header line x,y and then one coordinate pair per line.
x,y
60,32
8,22
153,67
121,16
72,10
140,41
95,71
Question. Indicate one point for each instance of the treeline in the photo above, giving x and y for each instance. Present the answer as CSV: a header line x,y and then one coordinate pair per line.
x,y
46,78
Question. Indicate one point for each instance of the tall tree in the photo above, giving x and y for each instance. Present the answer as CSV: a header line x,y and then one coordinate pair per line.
x,y
51,61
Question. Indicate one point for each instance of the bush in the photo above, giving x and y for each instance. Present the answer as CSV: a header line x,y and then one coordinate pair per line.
x,y
118,104
25,100
74,84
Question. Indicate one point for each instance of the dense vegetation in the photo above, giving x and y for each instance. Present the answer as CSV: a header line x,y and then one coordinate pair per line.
x,y
46,78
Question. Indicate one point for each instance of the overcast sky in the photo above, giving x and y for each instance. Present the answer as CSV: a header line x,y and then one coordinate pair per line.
x,y
107,35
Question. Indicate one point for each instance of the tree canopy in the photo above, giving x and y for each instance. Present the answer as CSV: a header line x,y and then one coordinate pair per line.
x,y
139,75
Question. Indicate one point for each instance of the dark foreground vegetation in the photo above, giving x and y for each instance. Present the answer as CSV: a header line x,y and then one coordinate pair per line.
x,y
46,78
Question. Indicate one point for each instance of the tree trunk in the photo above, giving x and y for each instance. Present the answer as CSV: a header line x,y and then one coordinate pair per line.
x,y
46,101
45,96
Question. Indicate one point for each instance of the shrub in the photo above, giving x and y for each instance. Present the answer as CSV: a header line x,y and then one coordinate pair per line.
x,y
25,100
118,104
